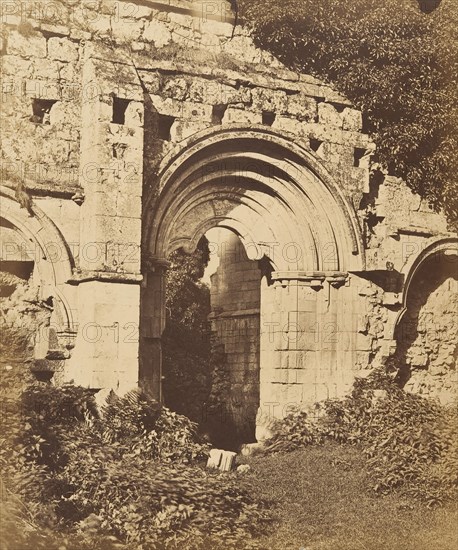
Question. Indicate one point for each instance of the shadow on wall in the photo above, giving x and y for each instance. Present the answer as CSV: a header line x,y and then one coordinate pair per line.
x,y
427,338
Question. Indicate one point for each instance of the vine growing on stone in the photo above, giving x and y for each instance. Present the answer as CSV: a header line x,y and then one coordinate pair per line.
x,y
396,63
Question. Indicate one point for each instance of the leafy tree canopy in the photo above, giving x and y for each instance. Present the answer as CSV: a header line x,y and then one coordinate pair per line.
x,y
394,62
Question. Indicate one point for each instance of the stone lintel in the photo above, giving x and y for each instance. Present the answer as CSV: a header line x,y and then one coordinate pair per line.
x,y
412,230
49,189
105,276
230,314
314,279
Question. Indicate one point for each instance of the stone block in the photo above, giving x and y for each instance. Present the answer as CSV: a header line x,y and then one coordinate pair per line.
x,y
227,461
168,106
135,11
17,67
328,115
302,107
42,89
220,28
274,101
242,47
54,28
214,460
176,88
62,49
152,81
210,41
240,116
287,393
290,124
45,69
126,30
101,26
196,112
364,342
118,204
157,33
26,46
134,114
352,119
180,130
54,151
181,20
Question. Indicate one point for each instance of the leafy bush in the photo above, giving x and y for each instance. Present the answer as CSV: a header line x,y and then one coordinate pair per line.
x,y
410,442
397,64
128,478
149,429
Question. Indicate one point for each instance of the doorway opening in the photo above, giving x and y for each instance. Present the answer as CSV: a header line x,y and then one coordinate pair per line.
x,y
211,340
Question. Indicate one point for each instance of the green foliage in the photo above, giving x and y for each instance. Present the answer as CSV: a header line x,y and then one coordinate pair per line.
x,y
129,417
148,429
410,443
127,479
185,344
398,65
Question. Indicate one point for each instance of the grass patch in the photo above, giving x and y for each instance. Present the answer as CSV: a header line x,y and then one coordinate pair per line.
x,y
321,499
410,443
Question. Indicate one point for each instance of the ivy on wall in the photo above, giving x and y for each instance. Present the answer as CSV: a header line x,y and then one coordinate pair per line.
x,y
396,63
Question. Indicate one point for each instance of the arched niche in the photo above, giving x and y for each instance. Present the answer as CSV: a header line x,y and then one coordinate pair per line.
x,y
432,249
38,241
425,331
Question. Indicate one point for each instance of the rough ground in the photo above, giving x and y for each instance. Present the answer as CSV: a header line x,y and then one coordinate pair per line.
x,y
322,501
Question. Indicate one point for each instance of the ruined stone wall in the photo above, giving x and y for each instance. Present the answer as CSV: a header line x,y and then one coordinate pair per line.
x,y
427,335
98,95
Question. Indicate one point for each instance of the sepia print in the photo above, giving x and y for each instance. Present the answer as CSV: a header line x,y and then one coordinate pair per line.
x,y
228,274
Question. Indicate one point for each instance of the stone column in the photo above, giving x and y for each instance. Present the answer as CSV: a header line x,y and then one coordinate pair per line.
x,y
152,325
108,273
306,342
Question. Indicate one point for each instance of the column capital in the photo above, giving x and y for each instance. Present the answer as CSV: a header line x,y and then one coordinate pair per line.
x,y
152,263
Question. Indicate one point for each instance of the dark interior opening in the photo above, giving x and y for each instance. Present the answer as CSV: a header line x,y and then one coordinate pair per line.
x,y
268,118
357,156
23,270
164,125
119,110
41,109
428,6
315,144
218,112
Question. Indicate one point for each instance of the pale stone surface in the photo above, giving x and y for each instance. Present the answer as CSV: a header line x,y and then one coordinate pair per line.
x,y
157,33
222,460
328,114
62,49
97,180
235,302
26,46
214,460
239,116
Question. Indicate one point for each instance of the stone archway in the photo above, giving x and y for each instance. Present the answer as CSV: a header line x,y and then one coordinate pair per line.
x,y
32,238
274,194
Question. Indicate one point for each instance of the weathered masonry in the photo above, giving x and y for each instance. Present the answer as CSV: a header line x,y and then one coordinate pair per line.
x,y
129,129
